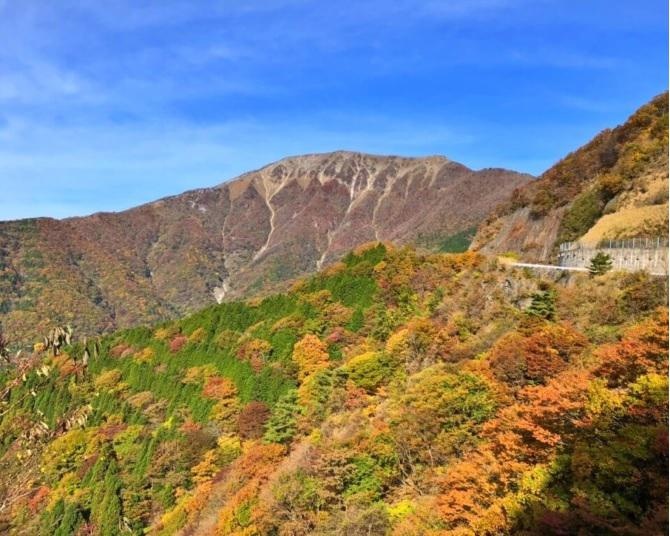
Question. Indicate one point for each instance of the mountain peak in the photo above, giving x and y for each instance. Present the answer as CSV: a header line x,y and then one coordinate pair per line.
x,y
249,235
336,160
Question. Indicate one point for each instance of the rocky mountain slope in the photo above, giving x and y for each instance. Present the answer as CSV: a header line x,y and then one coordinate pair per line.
x,y
616,186
254,233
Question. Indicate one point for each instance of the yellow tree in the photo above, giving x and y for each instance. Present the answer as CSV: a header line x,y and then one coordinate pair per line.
x,y
310,354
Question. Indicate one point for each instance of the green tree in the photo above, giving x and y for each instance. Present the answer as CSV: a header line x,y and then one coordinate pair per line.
x,y
106,503
600,264
282,425
371,369
72,518
543,304
438,415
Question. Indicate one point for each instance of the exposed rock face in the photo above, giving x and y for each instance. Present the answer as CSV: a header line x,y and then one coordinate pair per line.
x,y
519,232
254,233
616,186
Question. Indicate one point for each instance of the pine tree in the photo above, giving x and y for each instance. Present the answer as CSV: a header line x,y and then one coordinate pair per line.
x,y
600,264
357,320
105,503
543,304
110,507
51,519
72,518
282,425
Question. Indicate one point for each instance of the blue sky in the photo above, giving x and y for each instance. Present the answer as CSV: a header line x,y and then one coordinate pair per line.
x,y
104,105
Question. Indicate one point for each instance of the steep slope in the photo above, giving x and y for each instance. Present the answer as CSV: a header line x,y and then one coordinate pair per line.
x,y
254,233
616,186
394,393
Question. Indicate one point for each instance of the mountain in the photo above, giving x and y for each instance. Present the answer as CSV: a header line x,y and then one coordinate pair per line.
x,y
616,186
252,234
394,393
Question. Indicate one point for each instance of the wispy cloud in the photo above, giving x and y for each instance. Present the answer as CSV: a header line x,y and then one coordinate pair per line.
x,y
40,81
134,101
585,104
561,58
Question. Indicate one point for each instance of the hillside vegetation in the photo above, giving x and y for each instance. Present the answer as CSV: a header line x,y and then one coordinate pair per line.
x,y
247,237
616,186
393,393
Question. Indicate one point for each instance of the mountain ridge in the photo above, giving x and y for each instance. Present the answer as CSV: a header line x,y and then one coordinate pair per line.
x,y
255,233
598,191
285,159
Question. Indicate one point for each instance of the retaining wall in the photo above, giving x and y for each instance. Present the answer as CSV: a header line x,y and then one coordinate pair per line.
x,y
649,254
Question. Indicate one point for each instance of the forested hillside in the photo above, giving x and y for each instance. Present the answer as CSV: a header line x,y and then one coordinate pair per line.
x,y
615,186
393,393
245,237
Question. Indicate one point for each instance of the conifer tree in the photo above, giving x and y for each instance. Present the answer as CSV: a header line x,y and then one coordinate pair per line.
x,y
71,520
543,304
110,508
282,425
600,264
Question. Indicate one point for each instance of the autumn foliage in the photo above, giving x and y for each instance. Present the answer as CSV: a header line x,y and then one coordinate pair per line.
x,y
310,355
252,419
518,359
398,393
218,388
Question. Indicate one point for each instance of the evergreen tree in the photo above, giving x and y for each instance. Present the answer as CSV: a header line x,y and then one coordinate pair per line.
x,y
543,304
357,320
71,520
51,519
600,264
106,504
282,425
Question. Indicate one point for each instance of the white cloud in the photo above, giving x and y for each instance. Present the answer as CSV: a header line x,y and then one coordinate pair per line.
x,y
40,81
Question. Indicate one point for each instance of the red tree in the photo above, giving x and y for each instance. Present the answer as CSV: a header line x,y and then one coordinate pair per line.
x,y
252,419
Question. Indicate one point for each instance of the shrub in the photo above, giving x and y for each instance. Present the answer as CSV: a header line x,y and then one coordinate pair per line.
x,y
120,350
255,351
64,454
165,333
583,213
145,356
197,336
230,447
196,375
177,343
643,348
642,293
218,388
108,379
